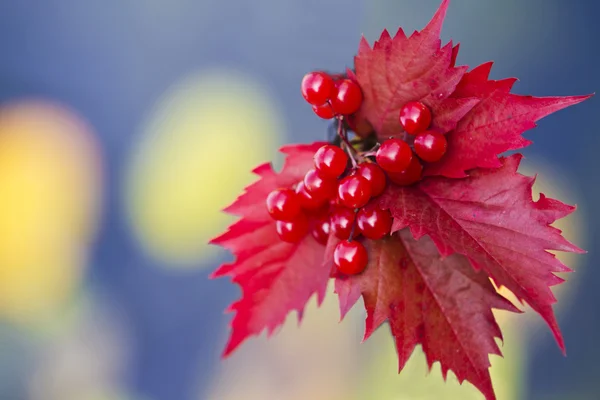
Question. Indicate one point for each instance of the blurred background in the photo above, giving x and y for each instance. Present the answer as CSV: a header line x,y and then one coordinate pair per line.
x,y
125,125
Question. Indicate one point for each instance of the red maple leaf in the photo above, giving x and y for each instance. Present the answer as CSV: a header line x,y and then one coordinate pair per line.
x,y
481,118
491,219
469,222
441,303
275,277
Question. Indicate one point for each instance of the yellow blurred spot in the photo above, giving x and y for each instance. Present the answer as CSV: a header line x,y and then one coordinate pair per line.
x,y
325,360
49,192
558,185
555,184
194,158
381,380
319,360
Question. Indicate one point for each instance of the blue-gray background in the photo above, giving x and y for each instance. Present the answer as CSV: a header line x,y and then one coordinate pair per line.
x,y
110,60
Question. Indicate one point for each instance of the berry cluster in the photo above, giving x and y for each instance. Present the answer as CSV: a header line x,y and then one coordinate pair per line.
x,y
396,156
329,97
333,198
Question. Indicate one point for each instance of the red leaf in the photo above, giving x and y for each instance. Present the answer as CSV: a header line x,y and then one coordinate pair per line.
x,y
416,68
482,118
491,218
275,277
441,303
494,125
431,280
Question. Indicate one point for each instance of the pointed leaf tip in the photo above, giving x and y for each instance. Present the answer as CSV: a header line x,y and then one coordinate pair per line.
x,y
275,277
436,23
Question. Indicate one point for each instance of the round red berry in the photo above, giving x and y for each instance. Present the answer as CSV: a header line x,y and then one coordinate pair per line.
x,y
350,258
415,117
320,229
317,87
292,231
374,174
324,111
283,204
431,146
331,161
354,191
319,186
308,201
394,155
373,222
347,97
409,176
342,221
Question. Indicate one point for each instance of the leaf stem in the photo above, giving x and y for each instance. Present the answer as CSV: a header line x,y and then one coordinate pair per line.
x,y
343,135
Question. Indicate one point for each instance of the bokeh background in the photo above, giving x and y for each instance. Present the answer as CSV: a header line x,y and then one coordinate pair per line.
x,y
125,125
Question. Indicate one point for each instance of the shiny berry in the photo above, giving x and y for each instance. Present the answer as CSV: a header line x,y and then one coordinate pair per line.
x,y
342,221
415,117
394,155
373,222
350,258
354,191
308,201
409,176
320,229
292,231
319,186
347,97
324,111
430,146
317,88
374,174
283,204
331,161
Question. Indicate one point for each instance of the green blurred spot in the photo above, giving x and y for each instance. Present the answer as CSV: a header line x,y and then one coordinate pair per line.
x,y
382,381
194,157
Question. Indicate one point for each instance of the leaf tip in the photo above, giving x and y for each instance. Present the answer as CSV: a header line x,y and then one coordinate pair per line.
x,y
232,344
439,17
454,57
363,45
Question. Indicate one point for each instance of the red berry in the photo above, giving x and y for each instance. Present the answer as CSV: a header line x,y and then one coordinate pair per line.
x,y
324,111
283,204
431,146
308,201
342,221
347,97
411,175
350,258
415,117
354,191
317,87
331,161
373,222
292,231
394,155
321,228
374,174
318,186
